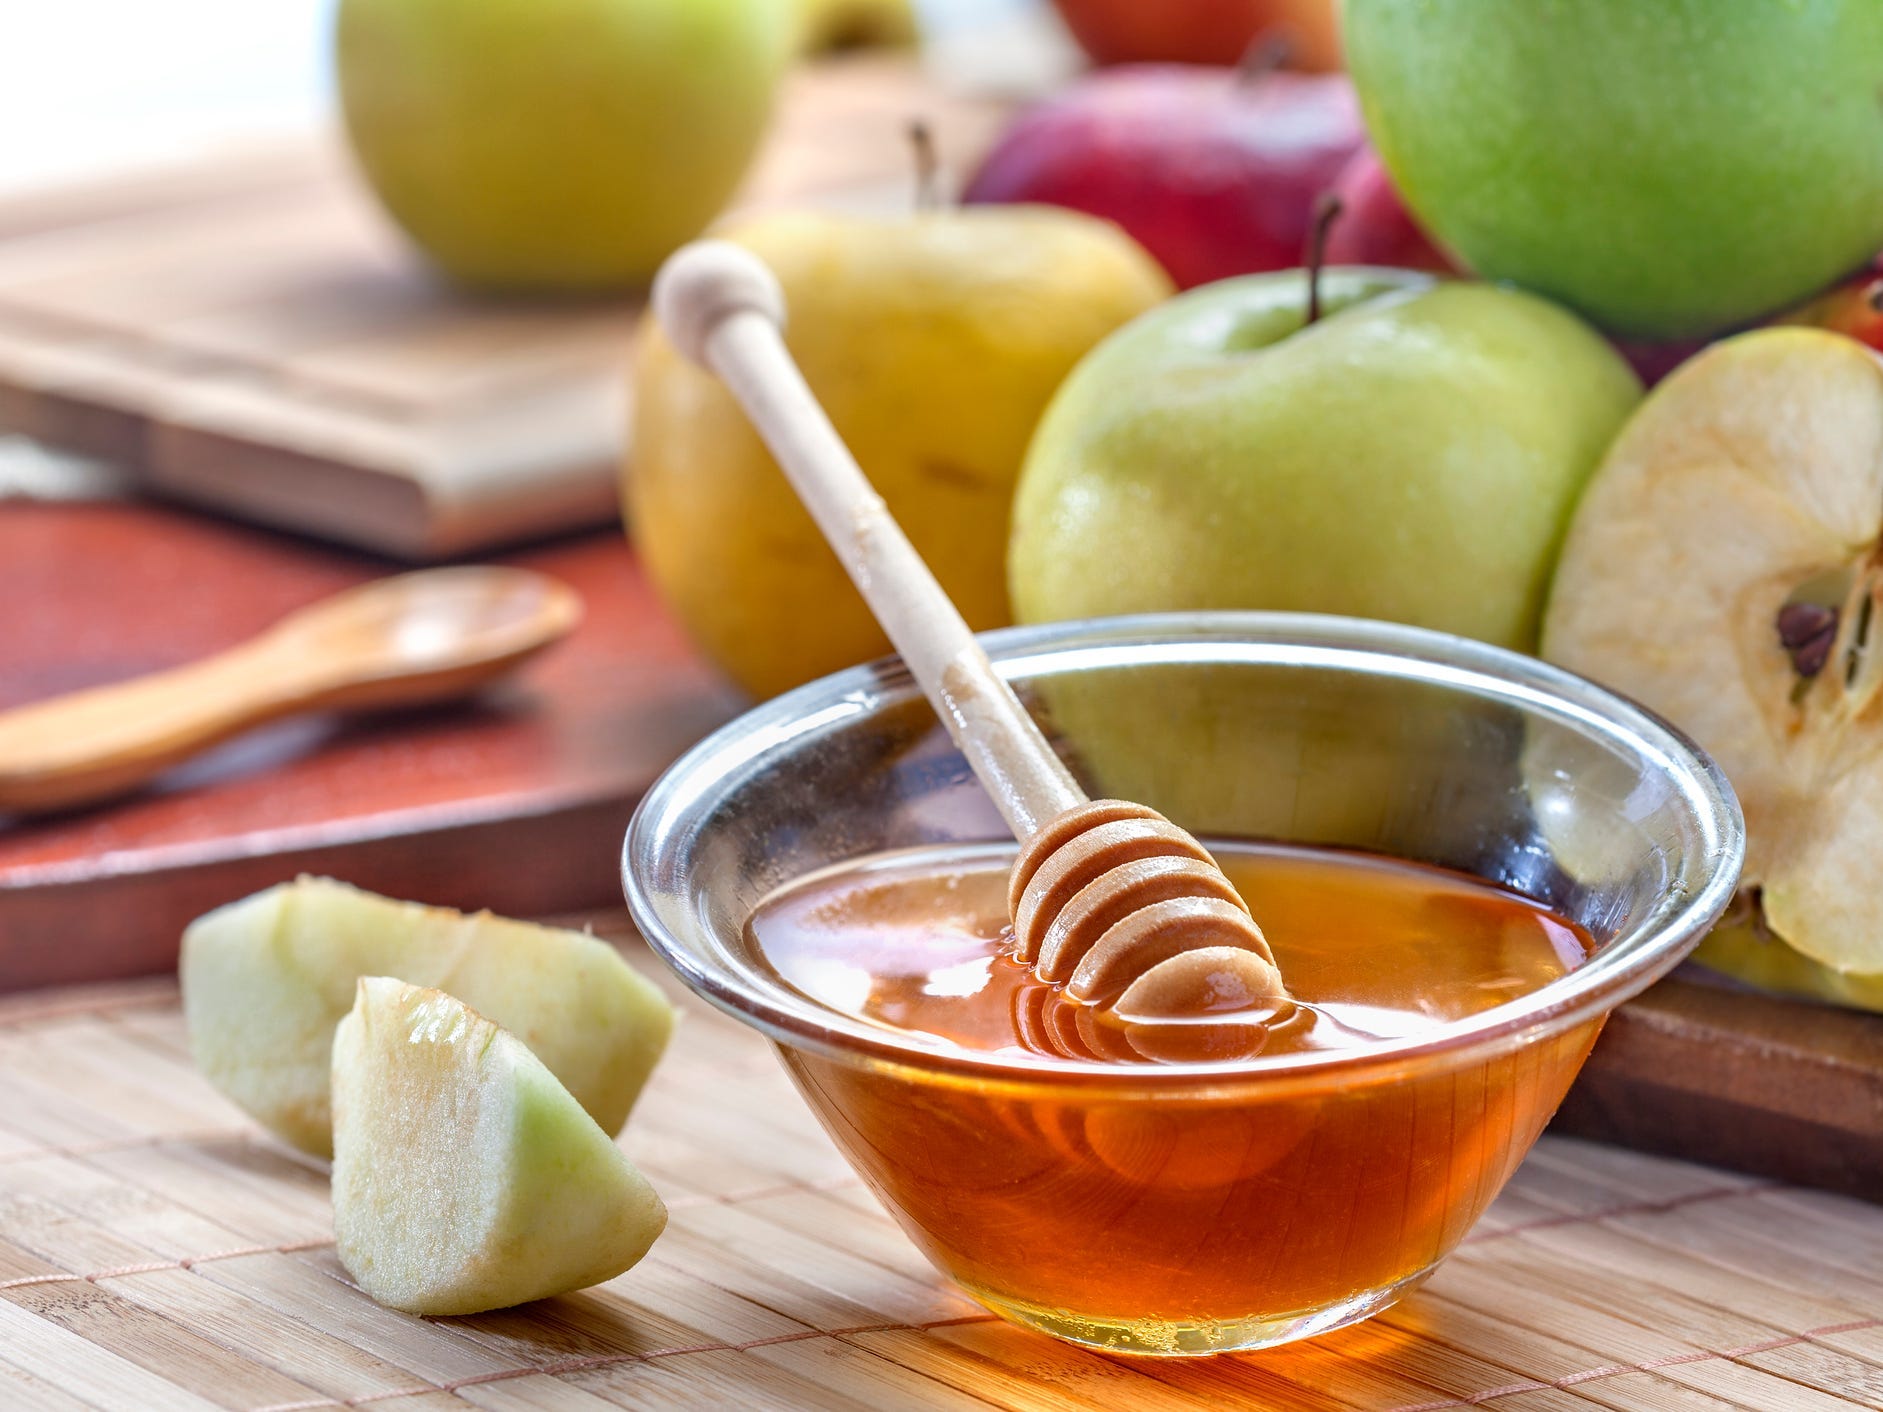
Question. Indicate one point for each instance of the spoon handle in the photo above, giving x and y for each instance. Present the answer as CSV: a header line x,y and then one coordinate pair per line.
x,y
82,747
401,641
724,309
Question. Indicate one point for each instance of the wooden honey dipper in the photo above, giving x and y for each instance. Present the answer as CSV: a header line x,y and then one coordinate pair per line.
x,y
1107,896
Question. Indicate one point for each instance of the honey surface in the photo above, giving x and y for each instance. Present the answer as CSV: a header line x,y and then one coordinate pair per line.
x,y
1376,948
1180,1219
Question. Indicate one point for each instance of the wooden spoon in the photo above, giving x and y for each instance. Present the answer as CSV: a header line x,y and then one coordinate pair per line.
x,y
1160,940
400,641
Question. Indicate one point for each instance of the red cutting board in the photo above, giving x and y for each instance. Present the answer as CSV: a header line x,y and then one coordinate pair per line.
x,y
516,801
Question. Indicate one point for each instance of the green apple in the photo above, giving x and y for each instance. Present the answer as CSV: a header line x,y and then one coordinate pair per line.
x,y
1668,169
465,1177
557,144
1726,569
1412,455
934,341
266,979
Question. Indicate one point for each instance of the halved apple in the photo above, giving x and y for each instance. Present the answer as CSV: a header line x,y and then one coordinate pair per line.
x,y
266,979
1724,569
465,1177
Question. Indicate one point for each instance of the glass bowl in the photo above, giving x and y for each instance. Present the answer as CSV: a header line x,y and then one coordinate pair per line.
x,y
1207,1207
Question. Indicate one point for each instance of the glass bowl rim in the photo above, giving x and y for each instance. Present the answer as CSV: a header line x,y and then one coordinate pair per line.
x,y
1624,966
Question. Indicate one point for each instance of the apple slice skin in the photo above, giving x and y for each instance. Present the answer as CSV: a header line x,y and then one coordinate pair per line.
x,y
1757,469
465,1176
1758,956
266,979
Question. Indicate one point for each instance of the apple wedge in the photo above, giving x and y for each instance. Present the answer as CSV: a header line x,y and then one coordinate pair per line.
x,y
1724,569
266,979
465,1177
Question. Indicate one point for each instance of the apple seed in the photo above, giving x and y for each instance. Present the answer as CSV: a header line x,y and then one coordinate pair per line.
x,y
1806,631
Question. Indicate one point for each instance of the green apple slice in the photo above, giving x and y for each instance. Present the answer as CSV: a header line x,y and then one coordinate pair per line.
x,y
465,1177
1724,568
1744,946
266,979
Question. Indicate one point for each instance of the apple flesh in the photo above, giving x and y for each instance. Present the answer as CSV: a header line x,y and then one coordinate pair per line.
x,y
1216,173
1202,31
1413,456
266,979
1669,170
465,1177
1725,569
556,144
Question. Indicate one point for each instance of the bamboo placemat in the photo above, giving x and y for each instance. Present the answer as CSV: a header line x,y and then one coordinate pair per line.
x,y
156,1252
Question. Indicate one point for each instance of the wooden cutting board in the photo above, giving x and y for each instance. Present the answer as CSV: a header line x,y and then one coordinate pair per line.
x,y
1780,1088
249,334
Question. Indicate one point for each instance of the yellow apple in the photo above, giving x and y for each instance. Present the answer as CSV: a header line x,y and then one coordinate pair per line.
x,y
935,342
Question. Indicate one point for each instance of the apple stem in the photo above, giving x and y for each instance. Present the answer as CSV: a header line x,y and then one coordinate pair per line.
x,y
1327,208
928,195
1267,52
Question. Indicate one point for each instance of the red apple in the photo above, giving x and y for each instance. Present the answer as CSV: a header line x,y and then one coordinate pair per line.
x,y
1854,307
1652,360
1214,171
1373,226
1202,31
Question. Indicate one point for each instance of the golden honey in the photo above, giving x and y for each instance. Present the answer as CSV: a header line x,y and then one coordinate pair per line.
x,y
1149,1210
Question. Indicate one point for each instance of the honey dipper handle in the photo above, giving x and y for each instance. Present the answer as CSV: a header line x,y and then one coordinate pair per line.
x,y
723,308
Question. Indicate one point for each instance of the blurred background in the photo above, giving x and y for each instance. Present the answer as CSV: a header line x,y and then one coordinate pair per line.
x,y
86,84
93,82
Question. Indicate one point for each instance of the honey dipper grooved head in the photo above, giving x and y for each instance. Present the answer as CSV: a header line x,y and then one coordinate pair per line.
x,y
1113,896
1212,980
1058,830
1115,900
1152,935
1084,859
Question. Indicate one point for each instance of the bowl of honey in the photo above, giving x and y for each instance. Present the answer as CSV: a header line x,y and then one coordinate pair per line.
x,y
1463,859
